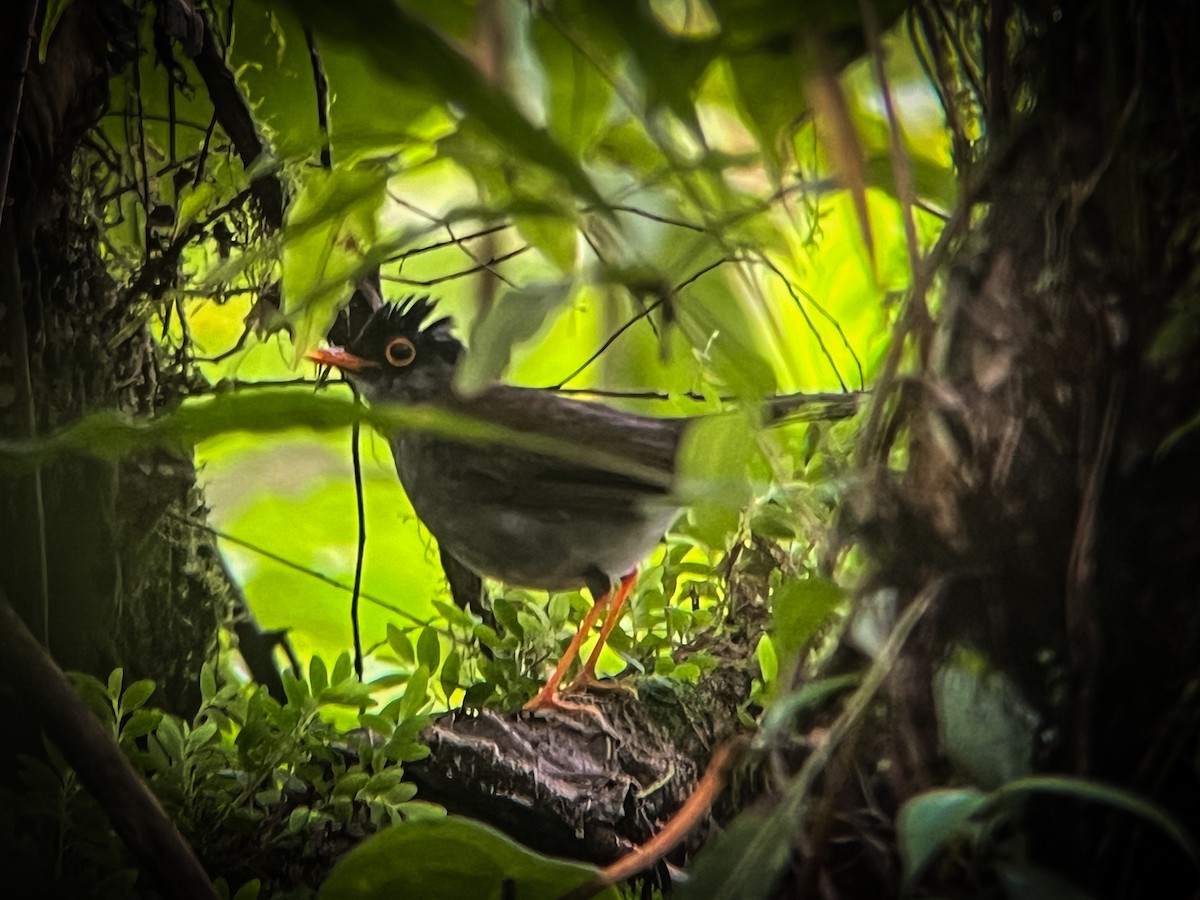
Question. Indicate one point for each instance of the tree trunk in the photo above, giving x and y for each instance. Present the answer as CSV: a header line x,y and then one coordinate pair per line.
x,y
89,556
1040,503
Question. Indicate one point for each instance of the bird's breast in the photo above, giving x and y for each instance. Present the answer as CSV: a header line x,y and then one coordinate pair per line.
x,y
508,527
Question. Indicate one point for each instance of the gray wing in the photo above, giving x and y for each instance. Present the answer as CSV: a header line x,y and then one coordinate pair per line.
x,y
522,479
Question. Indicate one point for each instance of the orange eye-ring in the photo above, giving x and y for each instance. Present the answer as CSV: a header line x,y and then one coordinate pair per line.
x,y
400,352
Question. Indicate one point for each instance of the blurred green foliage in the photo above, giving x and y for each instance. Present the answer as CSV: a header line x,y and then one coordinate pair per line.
x,y
247,777
551,172
649,178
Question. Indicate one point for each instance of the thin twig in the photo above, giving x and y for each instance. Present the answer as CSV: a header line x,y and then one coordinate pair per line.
x,y
904,322
462,273
655,217
321,86
629,324
313,573
442,245
356,458
792,291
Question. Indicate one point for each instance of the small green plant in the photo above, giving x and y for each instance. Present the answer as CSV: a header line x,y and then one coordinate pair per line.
x,y
246,779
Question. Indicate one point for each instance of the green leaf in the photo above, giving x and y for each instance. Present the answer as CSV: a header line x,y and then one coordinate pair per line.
x,y
298,819
928,821
379,724
343,669
409,50
331,226
408,751
415,695
453,615
295,689
350,784
318,675
54,12
713,475
508,615
770,92
385,780
577,96
140,724
429,649
450,672
775,522
556,236
477,695
514,317
114,685
745,863
451,857
171,738
208,681
201,736
136,695
800,609
768,662
670,64
400,644
781,712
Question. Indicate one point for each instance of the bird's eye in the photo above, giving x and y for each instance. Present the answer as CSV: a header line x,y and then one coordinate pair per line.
x,y
400,351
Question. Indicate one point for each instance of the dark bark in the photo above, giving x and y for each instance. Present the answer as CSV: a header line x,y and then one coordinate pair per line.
x,y
1038,492
101,573
588,785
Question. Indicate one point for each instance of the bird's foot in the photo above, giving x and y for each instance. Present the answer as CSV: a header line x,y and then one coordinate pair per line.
x,y
588,681
550,698
554,702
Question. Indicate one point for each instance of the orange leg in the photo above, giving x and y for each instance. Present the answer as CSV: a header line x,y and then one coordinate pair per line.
x,y
548,695
587,674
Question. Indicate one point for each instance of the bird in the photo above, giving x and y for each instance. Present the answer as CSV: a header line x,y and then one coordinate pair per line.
x,y
526,518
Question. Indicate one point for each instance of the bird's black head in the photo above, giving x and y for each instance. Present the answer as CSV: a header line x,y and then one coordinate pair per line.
x,y
396,356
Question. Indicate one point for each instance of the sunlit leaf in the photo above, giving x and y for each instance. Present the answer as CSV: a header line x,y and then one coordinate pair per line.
x,y
800,608
770,90
555,236
407,49
330,225
712,467
415,695
514,317
768,660
577,94
400,644
318,675
429,649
